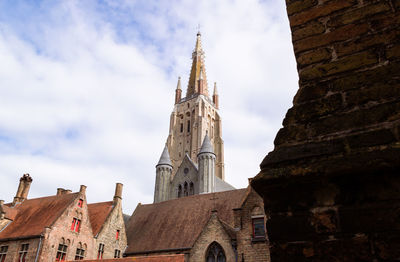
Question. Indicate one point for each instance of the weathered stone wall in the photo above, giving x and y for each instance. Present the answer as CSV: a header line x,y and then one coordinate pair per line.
x,y
107,235
331,184
15,246
249,249
213,231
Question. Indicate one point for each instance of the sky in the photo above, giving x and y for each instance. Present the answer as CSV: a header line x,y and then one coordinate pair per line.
x,y
87,88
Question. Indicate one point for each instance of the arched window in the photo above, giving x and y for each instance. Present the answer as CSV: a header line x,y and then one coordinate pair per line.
x,y
185,189
215,253
188,126
191,189
179,191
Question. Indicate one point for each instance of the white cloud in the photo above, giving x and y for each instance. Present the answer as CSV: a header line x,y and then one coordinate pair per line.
x,y
86,90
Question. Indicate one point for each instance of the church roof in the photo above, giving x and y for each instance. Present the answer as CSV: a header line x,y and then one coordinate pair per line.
x,y
176,224
165,159
221,185
206,147
32,216
98,213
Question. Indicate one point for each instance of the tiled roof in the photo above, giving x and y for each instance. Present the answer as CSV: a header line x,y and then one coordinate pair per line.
x,y
34,215
160,258
98,213
176,224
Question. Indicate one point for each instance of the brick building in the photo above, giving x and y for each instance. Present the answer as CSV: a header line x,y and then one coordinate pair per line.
x,y
59,227
221,226
331,185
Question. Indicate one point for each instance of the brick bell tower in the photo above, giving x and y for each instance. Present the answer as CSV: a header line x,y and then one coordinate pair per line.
x,y
194,116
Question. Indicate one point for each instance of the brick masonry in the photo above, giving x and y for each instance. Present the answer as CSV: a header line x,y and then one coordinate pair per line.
x,y
330,185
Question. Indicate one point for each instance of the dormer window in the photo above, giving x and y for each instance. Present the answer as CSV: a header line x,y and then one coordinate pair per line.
x,y
80,203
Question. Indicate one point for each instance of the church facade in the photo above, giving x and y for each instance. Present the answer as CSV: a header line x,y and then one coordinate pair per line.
x,y
192,161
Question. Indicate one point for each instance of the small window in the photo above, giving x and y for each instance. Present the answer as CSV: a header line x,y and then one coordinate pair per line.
x,y
101,251
117,235
80,203
185,189
258,227
61,252
22,252
80,254
188,126
76,223
3,253
117,253
191,189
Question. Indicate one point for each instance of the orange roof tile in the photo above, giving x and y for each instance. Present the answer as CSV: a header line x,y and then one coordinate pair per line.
x,y
176,224
34,215
98,213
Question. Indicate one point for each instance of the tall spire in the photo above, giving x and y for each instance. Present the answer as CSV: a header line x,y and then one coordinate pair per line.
x,y
198,76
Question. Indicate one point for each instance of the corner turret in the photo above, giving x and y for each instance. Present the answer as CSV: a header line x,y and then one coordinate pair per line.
x,y
206,159
163,177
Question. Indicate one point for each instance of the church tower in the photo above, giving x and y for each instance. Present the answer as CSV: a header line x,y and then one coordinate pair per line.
x,y
194,116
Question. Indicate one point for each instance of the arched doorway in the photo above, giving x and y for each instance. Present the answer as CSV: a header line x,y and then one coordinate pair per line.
x,y
215,253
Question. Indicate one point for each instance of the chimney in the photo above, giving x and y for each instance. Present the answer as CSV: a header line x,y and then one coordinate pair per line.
x,y
2,212
62,191
118,193
23,189
82,189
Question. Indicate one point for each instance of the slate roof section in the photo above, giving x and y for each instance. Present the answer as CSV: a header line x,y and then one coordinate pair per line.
x,y
206,147
221,185
34,215
160,258
98,213
176,224
165,159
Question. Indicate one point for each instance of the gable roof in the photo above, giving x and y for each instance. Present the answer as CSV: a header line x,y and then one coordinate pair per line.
x,y
159,258
176,224
34,215
98,213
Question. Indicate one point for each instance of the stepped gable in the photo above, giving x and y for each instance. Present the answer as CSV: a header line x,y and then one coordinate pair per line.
x,y
34,215
98,213
176,224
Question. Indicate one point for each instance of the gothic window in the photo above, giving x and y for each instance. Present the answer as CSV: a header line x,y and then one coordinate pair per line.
x,y
185,189
181,127
215,253
23,252
61,252
3,253
191,189
188,126
179,191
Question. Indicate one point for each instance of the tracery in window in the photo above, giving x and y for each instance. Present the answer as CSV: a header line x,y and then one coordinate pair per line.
x,y
215,253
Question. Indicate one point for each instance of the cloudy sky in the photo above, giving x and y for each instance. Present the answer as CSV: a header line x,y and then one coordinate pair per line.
x,y
87,88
